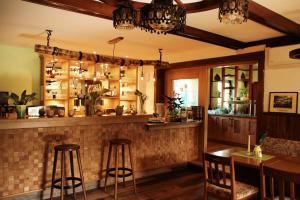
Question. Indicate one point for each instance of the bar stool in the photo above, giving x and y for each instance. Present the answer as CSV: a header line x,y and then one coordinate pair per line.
x,y
55,182
114,172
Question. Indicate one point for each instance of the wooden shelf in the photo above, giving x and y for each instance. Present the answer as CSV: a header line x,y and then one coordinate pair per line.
x,y
72,86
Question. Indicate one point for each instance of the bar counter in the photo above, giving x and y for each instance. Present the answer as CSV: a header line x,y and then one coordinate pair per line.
x,y
27,149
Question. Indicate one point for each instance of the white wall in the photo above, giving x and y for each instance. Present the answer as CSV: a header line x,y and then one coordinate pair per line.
x,y
146,86
282,74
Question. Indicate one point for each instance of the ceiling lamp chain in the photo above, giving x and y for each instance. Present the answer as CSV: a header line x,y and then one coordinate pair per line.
x,y
233,11
49,33
124,17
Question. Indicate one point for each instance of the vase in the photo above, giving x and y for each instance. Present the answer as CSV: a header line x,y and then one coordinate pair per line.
x,y
21,111
257,151
142,111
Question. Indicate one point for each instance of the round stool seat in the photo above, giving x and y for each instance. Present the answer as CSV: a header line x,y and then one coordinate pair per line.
x,y
67,147
120,141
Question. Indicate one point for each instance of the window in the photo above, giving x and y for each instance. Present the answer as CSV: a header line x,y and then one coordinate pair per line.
x,y
187,89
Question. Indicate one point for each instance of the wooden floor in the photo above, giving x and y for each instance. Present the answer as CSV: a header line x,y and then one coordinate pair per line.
x,y
183,185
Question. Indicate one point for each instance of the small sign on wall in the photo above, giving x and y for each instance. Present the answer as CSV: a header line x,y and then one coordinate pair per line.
x,y
283,102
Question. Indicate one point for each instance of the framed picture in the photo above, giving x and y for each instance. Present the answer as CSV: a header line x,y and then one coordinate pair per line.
x,y
283,102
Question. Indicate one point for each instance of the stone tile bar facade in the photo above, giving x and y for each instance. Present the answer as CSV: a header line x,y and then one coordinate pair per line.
x,y
27,148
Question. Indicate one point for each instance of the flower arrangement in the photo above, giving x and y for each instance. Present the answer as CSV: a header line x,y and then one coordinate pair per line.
x,y
94,96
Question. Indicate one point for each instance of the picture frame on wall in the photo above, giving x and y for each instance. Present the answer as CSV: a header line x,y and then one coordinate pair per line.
x,y
283,102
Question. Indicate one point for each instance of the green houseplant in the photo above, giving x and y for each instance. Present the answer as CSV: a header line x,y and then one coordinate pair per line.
x,y
174,105
21,101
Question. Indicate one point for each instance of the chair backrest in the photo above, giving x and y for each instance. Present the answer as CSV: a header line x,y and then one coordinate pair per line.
x,y
279,178
215,172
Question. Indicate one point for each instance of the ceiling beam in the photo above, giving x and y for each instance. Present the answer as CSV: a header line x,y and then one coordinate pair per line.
x,y
275,42
271,19
104,10
248,58
180,4
204,36
87,7
201,6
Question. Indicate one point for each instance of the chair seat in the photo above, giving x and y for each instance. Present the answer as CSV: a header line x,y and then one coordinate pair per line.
x,y
120,141
242,190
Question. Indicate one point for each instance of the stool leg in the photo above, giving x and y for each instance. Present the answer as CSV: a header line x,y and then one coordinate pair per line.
x,y
116,172
53,174
123,163
72,173
81,173
107,166
130,157
62,182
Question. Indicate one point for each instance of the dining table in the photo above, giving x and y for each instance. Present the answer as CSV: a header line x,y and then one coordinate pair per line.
x,y
248,166
242,158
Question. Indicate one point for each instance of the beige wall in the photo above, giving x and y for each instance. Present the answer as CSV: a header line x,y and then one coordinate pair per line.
x,y
19,69
146,86
282,74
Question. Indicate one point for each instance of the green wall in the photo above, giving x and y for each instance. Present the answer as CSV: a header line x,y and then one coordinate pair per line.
x,y
19,70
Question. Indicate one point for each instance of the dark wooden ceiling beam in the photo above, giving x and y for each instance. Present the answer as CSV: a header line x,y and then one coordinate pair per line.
x,y
276,42
180,4
248,58
104,10
271,19
201,6
88,7
205,36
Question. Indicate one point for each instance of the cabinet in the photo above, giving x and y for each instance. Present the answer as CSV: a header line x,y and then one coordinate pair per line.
x,y
67,83
231,129
231,87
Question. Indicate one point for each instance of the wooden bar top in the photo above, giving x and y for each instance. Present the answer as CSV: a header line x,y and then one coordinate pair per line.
x,y
70,121
168,125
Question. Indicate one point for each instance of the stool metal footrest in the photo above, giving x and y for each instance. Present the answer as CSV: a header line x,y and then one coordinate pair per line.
x,y
68,186
112,172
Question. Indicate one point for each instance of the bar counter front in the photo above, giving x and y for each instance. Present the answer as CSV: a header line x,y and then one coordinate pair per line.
x,y
27,149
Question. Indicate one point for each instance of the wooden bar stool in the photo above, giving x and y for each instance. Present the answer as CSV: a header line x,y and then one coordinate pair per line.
x,y
76,182
114,172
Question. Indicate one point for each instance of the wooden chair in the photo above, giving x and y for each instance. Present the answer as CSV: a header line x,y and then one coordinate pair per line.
x,y
222,185
282,179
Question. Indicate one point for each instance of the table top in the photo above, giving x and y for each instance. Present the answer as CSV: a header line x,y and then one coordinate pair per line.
x,y
285,163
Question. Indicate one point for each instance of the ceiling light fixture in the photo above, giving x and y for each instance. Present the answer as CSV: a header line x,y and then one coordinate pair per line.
x,y
161,16
124,17
233,11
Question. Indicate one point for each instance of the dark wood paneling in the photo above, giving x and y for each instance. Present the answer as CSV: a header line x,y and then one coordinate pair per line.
x,y
160,86
279,125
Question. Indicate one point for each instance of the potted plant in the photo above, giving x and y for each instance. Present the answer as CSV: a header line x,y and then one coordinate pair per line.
x,y
142,98
21,101
174,105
